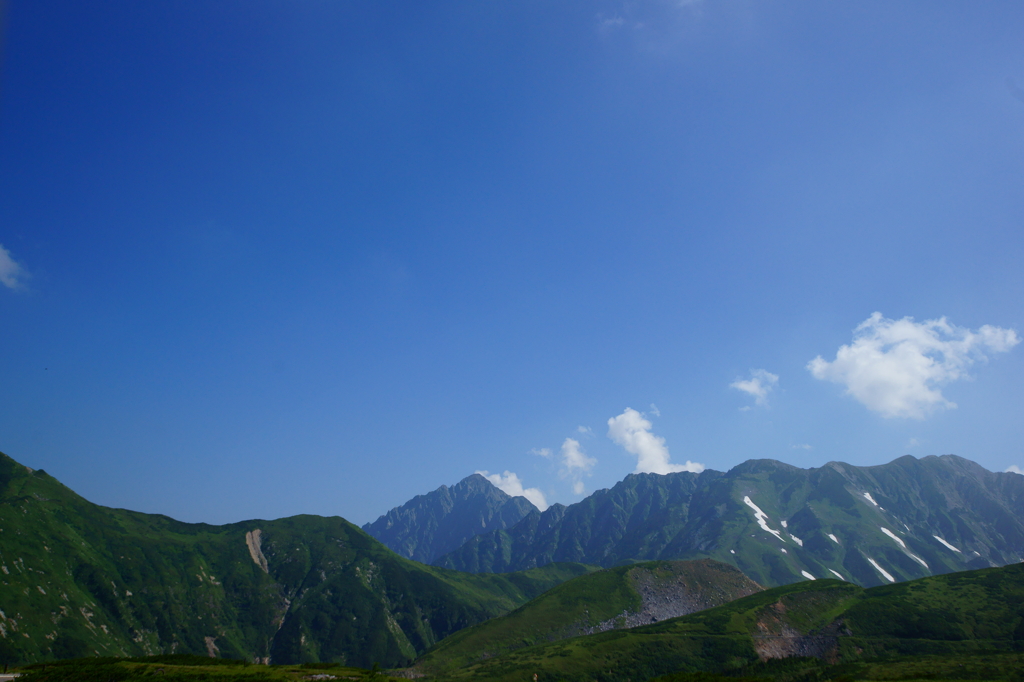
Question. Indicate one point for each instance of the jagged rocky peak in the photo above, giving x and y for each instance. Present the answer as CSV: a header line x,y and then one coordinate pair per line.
x,y
428,526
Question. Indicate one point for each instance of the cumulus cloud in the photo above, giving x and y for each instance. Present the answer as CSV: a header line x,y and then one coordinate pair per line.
x,y
759,385
12,273
510,484
633,432
895,367
1014,469
575,464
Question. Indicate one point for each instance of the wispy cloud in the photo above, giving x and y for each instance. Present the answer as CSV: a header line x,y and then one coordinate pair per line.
x,y
584,430
12,273
510,484
759,385
542,452
633,432
895,367
655,411
802,446
1014,469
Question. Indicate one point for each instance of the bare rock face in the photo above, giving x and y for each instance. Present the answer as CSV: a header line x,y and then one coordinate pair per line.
x,y
678,588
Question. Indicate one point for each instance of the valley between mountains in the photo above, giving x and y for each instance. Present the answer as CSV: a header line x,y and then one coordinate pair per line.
x,y
467,581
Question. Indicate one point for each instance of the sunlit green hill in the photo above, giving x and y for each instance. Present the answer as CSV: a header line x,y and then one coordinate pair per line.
x,y
611,599
823,624
78,579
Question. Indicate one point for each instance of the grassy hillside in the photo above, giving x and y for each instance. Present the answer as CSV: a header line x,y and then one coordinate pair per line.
x,y
79,579
185,668
827,623
780,524
610,599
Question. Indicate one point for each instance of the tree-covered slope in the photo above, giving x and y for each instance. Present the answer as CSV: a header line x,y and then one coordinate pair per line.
x,y
79,579
434,524
779,524
612,599
960,614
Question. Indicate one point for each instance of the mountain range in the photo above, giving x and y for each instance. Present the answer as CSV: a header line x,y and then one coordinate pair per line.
x,y
79,579
778,523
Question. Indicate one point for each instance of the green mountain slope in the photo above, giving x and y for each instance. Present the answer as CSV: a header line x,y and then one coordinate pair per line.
x,y
960,614
434,524
779,524
79,579
611,599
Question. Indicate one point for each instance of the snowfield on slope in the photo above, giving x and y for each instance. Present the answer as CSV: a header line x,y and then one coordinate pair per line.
x,y
762,518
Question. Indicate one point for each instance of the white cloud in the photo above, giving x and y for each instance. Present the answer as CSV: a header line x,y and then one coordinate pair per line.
x,y
11,272
542,452
913,443
573,457
575,463
510,484
894,367
585,430
655,411
803,446
633,432
1014,469
759,385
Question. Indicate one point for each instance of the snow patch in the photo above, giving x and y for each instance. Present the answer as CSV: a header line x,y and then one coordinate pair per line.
x,y
797,540
870,499
837,574
881,570
784,551
762,518
834,538
807,575
784,524
893,536
918,560
948,546
733,551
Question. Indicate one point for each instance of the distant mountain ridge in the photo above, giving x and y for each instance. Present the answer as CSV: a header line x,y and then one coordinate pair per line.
x,y
429,526
779,524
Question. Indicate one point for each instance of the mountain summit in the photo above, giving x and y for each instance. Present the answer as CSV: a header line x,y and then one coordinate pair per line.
x,y
429,526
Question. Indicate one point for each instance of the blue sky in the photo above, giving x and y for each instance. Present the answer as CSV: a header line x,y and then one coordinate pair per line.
x,y
269,258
